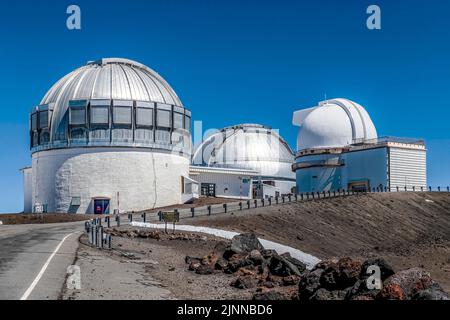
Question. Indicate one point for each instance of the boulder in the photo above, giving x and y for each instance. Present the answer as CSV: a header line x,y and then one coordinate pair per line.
x,y
300,265
280,266
435,292
210,259
309,284
238,261
411,281
243,243
385,269
268,253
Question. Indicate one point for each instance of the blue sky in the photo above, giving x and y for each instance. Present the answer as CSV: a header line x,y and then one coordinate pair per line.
x,y
239,61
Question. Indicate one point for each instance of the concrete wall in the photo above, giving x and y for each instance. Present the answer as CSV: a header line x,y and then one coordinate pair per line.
x,y
227,185
133,179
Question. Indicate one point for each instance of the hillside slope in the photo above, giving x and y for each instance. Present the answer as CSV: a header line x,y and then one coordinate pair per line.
x,y
407,229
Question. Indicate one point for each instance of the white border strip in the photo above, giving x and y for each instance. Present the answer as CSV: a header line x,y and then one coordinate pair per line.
x,y
307,259
44,267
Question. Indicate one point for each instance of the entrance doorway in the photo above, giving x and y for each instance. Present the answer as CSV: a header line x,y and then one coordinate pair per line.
x,y
208,189
101,206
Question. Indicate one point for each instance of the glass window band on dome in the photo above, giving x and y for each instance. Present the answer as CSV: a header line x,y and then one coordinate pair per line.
x,y
117,123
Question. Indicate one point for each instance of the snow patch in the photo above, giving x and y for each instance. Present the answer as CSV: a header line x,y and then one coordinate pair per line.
x,y
307,259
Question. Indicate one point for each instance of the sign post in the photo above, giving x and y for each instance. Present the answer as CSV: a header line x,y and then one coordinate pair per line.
x,y
170,217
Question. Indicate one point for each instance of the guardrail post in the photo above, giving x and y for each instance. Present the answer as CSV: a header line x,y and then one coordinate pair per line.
x,y
193,212
108,241
414,188
144,217
130,217
263,202
296,197
209,210
324,194
439,189
421,188
276,199
301,196
256,203
289,198
270,201
248,204
430,188
240,206
118,221
225,207
160,216
101,237
448,189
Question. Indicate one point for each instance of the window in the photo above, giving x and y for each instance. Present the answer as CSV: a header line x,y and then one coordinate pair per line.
x,y
45,137
43,119
100,115
122,115
178,120
188,123
34,121
77,116
163,118
78,133
144,117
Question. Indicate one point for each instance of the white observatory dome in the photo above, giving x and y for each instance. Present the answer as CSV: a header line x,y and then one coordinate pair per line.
x,y
247,146
333,123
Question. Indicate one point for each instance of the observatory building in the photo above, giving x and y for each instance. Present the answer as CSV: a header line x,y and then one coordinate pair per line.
x,y
339,149
256,154
111,135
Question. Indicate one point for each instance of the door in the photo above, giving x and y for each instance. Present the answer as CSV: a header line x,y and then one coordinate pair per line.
x,y
101,206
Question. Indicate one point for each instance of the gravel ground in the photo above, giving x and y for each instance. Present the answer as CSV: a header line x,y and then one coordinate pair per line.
x,y
150,269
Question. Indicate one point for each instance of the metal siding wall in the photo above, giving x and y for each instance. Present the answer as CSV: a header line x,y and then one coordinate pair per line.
x,y
407,167
368,165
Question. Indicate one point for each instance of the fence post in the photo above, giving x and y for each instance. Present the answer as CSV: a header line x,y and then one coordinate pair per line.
x,y
430,188
448,189
270,201
421,188
414,188
240,206
101,237
296,197
406,188
276,199
209,210
439,189
263,202
255,202
130,217
144,217
301,196
282,199
193,212
289,198
160,215
118,221
225,207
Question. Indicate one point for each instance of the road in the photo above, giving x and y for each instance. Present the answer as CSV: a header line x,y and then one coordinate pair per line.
x,y
34,259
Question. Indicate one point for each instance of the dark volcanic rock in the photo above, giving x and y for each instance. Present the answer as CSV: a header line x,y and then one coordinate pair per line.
x,y
340,275
291,280
221,264
280,266
359,289
268,253
411,281
243,243
385,269
238,261
435,292
245,282
391,291
309,284
323,294
204,269
270,295
256,257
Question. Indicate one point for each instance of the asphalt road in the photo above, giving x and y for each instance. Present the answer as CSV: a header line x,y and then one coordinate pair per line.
x,y
30,266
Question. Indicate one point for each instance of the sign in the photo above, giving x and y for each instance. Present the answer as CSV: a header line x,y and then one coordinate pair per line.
x,y
171,217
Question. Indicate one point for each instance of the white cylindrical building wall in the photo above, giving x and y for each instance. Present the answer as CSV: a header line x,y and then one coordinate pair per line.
x,y
27,187
132,179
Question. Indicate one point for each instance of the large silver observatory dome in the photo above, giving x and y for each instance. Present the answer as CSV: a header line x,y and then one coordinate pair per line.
x,y
110,101
247,146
